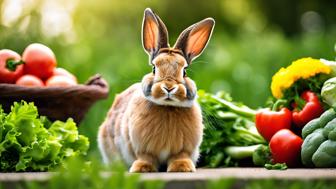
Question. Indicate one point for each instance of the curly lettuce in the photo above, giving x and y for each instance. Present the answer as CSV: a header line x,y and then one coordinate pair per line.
x,y
29,142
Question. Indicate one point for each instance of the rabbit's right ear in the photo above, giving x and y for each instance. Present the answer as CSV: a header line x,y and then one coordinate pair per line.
x,y
194,39
154,33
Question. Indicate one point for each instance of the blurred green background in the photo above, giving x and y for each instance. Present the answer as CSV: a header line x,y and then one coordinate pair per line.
x,y
251,41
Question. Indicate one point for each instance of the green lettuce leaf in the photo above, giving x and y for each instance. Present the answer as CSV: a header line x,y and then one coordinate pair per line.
x,y
29,142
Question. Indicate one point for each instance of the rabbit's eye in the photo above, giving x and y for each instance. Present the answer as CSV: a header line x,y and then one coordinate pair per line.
x,y
153,70
184,72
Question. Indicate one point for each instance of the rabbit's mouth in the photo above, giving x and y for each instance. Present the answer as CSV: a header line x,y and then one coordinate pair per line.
x,y
170,101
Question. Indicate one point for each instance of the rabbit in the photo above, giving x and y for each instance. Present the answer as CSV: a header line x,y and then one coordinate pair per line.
x,y
158,121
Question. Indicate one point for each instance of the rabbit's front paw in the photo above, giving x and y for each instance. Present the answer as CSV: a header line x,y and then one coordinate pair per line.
x,y
181,165
141,166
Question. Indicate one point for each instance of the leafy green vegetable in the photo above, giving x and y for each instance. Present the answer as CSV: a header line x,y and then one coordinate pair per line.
x,y
277,166
319,145
262,155
328,92
227,123
331,64
32,143
313,84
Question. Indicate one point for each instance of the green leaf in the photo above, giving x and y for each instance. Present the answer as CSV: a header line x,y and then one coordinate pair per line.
x,y
277,166
226,123
32,143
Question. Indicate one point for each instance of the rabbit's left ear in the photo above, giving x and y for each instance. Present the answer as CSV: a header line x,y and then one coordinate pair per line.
x,y
154,33
194,39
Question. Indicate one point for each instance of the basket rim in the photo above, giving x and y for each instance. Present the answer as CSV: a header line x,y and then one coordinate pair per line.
x,y
96,87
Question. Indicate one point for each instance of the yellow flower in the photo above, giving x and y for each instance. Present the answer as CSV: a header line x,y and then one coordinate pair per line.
x,y
303,68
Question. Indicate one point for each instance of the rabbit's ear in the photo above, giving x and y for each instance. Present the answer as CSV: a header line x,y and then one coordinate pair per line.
x,y
154,33
194,39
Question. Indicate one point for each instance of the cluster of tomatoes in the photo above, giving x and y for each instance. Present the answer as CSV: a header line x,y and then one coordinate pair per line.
x,y
36,67
282,127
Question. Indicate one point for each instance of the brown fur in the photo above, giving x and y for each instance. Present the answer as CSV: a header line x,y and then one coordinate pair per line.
x,y
110,129
160,128
158,121
180,163
153,128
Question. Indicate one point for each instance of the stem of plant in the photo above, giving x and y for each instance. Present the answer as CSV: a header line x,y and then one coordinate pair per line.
x,y
242,111
278,104
241,152
299,102
12,64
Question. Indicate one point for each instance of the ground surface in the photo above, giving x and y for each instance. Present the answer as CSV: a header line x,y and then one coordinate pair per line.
x,y
192,180
245,173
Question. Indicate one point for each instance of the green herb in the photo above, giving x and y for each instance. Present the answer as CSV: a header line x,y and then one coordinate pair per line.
x,y
32,143
262,155
227,124
277,166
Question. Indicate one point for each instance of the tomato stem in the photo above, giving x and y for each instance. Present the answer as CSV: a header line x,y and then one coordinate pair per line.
x,y
300,103
11,64
278,104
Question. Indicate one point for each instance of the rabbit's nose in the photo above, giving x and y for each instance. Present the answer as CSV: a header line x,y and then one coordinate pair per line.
x,y
168,90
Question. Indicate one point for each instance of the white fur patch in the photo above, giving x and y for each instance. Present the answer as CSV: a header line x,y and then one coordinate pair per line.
x,y
123,147
195,155
102,149
163,156
172,102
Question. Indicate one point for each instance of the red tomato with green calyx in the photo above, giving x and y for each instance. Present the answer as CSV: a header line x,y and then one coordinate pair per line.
x,y
9,74
39,61
285,147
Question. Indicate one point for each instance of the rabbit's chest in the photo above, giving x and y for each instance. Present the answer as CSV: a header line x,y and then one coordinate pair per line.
x,y
158,136
163,131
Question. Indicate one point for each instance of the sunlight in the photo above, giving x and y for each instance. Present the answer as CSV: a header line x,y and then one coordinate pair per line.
x,y
56,17
12,10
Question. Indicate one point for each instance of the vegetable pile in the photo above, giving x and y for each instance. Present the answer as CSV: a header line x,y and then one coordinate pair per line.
x,y
29,142
36,68
299,124
297,105
294,125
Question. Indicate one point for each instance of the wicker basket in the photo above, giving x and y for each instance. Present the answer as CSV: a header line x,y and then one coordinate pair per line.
x,y
57,103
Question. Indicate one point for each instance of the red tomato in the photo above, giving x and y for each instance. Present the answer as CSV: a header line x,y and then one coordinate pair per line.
x,y
285,147
60,81
312,109
6,75
269,122
39,60
64,72
30,81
